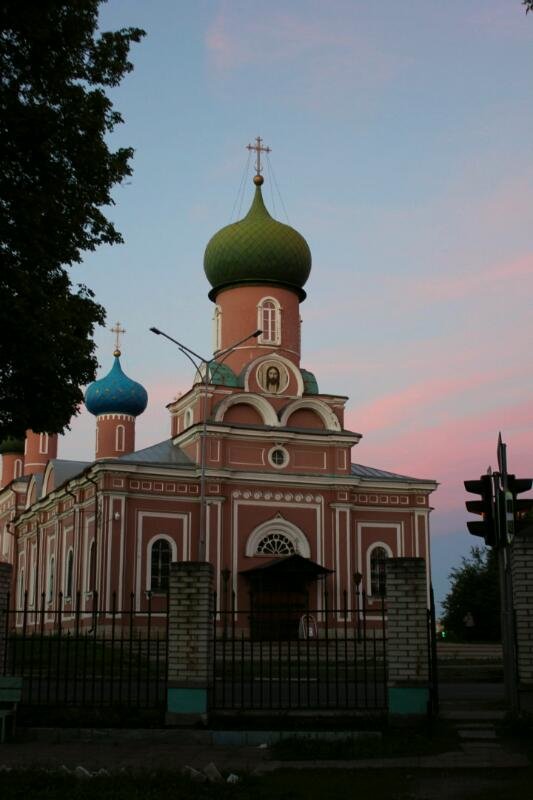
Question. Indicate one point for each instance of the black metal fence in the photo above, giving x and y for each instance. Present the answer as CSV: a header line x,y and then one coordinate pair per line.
x,y
275,657
97,658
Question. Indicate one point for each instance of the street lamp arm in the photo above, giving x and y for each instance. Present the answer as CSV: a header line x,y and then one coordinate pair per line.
x,y
232,347
182,346
185,350
203,360
205,381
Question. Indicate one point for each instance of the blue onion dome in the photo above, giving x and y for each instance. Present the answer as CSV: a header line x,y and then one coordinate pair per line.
x,y
116,393
257,250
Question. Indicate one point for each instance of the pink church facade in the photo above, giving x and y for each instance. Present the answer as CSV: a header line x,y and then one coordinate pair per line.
x,y
272,479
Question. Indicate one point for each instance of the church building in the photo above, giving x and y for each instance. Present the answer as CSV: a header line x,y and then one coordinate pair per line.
x,y
256,474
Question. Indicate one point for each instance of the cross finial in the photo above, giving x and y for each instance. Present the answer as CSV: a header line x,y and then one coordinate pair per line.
x,y
259,148
117,330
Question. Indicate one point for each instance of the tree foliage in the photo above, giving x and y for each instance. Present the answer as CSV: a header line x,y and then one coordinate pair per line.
x,y
56,177
475,590
528,4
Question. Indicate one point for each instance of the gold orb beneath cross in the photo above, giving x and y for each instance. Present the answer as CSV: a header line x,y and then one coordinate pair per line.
x,y
259,180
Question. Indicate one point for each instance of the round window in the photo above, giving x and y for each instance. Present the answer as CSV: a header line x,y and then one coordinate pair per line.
x,y
278,457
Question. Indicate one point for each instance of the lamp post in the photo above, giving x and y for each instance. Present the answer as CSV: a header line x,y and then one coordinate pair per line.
x,y
200,360
357,578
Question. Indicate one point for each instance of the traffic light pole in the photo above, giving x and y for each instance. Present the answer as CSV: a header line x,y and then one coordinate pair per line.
x,y
503,517
506,597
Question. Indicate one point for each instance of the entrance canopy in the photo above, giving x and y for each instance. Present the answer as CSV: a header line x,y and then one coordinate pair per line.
x,y
294,566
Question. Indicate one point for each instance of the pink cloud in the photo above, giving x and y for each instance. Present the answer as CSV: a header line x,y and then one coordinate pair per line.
x,y
408,403
495,278
454,450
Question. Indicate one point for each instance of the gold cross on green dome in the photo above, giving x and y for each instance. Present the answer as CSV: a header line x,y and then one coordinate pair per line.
x,y
259,148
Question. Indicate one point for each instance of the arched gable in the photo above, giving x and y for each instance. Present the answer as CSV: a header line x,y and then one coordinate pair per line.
x,y
48,479
330,420
260,404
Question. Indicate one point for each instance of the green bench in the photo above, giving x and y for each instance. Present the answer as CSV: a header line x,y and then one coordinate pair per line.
x,y
10,696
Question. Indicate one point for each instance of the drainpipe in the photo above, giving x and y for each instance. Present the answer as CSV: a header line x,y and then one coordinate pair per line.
x,y
76,522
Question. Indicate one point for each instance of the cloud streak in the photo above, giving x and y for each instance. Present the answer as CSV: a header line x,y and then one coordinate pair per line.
x,y
319,54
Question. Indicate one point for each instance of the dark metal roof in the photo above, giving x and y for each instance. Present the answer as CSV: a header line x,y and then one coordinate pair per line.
x,y
161,453
289,564
360,471
65,469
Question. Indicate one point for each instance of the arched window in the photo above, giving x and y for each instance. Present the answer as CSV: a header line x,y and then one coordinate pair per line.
x,y
160,565
269,321
119,438
275,544
43,443
377,571
17,472
69,573
277,537
91,573
51,578
21,589
187,418
217,328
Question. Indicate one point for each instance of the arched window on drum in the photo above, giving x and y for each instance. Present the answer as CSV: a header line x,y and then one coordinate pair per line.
x,y
269,321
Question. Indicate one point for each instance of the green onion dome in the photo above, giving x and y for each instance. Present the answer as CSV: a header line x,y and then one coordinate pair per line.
x,y
257,250
11,445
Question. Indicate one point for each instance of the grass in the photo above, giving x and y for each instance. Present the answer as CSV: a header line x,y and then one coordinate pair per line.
x,y
281,785
440,737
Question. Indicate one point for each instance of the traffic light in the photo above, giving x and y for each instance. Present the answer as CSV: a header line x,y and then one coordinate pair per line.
x,y
523,508
487,527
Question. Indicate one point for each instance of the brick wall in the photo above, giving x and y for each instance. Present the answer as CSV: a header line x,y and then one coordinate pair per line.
x,y
522,572
6,575
407,635
190,624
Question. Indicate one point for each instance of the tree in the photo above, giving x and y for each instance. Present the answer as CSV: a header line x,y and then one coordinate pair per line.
x,y
56,177
528,4
474,590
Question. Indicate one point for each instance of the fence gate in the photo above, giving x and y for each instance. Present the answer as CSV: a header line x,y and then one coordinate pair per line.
x,y
102,658
313,659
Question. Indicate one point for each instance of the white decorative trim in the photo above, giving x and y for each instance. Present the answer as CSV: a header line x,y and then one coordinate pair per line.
x,y
149,545
116,416
325,413
217,328
369,552
276,339
277,357
261,405
140,551
297,538
120,441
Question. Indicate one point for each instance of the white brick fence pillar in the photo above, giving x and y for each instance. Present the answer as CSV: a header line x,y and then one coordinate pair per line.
x,y
6,577
522,572
407,636
190,641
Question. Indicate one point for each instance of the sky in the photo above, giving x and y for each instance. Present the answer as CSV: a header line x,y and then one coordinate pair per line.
x,y
401,149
